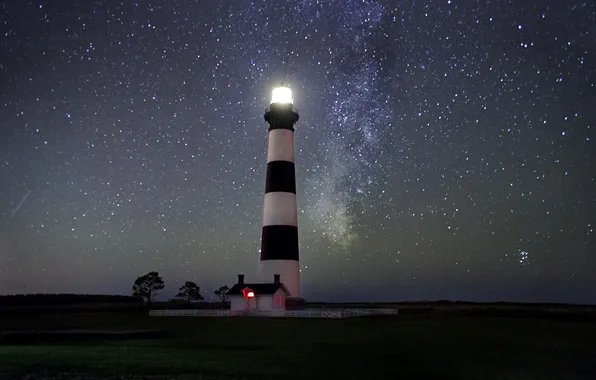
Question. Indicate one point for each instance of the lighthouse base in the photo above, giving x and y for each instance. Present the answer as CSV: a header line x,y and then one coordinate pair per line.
x,y
289,270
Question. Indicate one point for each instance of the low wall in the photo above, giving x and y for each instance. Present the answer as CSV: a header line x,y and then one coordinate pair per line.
x,y
306,313
338,313
191,313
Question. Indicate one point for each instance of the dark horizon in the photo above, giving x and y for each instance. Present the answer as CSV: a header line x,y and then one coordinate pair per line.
x,y
162,299
445,149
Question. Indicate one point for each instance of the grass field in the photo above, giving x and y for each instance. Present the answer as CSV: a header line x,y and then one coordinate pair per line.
x,y
405,347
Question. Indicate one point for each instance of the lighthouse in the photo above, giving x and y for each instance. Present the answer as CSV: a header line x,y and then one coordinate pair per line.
x,y
279,239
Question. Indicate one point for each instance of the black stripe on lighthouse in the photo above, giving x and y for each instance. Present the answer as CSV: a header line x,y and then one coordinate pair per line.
x,y
279,243
281,176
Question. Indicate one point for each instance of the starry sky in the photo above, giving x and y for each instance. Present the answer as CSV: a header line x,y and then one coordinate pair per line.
x,y
445,149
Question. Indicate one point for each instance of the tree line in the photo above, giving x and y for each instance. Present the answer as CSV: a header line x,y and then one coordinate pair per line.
x,y
148,286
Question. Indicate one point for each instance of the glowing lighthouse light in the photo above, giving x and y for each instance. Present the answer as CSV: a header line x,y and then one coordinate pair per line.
x,y
250,295
282,95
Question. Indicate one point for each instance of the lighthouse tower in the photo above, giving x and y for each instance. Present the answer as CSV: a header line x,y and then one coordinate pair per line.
x,y
279,240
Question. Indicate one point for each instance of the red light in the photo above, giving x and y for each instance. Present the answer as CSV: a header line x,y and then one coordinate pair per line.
x,y
250,295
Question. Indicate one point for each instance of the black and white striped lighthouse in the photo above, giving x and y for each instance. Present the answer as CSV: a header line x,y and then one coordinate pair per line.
x,y
279,240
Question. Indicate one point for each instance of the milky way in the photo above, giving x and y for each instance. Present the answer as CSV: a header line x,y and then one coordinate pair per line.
x,y
445,149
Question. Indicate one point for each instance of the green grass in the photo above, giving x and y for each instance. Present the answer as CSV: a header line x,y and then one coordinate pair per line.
x,y
407,347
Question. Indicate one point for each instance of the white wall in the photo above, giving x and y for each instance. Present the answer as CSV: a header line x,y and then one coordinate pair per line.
x,y
264,302
251,304
237,302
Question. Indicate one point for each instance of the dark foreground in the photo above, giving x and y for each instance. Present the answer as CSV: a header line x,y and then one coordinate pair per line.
x,y
404,347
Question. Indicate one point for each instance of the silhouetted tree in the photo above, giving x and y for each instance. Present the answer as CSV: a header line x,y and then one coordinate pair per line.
x,y
222,293
147,286
190,291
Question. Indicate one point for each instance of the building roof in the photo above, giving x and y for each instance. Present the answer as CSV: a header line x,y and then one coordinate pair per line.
x,y
258,289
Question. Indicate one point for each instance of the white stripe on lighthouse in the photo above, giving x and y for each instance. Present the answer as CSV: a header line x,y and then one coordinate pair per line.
x,y
280,209
281,145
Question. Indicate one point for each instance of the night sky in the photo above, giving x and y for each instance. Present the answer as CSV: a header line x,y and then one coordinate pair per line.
x,y
445,149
